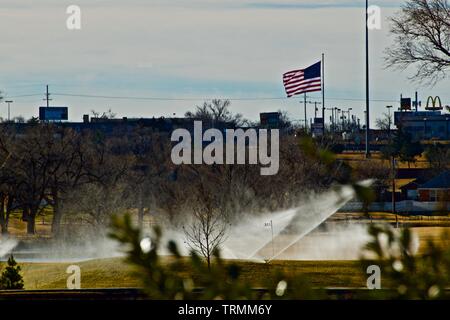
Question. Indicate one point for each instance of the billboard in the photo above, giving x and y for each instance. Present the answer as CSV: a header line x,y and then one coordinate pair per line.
x,y
53,113
270,119
405,103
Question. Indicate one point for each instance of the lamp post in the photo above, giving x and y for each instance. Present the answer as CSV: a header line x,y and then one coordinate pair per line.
x,y
338,111
9,108
349,117
331,117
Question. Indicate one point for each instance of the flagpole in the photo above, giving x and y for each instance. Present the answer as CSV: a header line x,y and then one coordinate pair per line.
x,y
306,118
323,91
367,84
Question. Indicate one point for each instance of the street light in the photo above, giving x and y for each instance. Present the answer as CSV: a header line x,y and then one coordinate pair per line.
x,y
9,106
331,117
349,118
338,117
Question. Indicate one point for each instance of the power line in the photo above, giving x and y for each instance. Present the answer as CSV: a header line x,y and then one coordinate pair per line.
x,y
25,95
203,98
195,99
160,98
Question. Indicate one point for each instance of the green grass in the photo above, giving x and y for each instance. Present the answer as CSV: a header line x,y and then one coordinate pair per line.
x,y
115,273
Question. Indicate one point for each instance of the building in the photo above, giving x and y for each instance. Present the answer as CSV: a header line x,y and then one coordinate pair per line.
x,y
424,125
436,190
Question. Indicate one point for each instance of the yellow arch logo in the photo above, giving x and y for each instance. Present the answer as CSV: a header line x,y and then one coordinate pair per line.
x,y
433,102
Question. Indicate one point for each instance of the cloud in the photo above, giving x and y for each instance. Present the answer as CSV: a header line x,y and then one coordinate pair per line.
x,y
196,48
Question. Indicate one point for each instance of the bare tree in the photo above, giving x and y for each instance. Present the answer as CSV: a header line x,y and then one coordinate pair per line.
x,y
384,123
8,179
216,111
151,153
66,174
104,115
33,157
422,38
208,228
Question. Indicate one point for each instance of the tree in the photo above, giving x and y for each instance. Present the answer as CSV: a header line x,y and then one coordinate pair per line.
x,y
103,191
104,115
66,173
34,158
151,153
8,179
438,157
409,152
384,123
422,38
207,230
402,147
11,279
216,111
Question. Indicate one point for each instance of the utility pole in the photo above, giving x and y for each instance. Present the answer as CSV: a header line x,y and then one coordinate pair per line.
x,y
417,102
9,109
367,84
47,97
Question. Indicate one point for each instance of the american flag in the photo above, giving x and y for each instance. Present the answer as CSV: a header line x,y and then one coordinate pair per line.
x,y
304,80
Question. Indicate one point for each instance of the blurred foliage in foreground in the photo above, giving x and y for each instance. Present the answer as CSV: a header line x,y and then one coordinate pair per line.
x,y
162,280
405,274
408,274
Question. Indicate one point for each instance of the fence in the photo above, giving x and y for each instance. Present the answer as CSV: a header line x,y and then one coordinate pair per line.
x,y
406,206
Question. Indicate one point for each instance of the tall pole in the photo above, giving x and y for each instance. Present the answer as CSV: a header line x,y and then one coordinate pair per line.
x,y
47,97
9,109
306,117
367,83
332,119
417,101
323,91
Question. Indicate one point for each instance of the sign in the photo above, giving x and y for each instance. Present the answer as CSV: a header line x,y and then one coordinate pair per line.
x,y
405,103
433,102
317,128
270,119
53,113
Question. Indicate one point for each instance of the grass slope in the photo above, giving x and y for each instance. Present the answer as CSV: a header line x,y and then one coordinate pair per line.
x,y
115,273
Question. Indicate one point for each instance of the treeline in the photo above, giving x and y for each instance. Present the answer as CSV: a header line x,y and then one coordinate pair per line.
x,y
92,175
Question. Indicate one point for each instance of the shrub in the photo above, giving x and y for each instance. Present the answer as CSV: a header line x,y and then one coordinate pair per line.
x,y
11,277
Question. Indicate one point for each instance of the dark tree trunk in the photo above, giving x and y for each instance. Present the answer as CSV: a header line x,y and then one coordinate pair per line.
x,y
4,227
31,224
57,216
29,215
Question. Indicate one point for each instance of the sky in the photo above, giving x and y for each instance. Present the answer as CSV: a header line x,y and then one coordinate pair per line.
x,y
175,54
